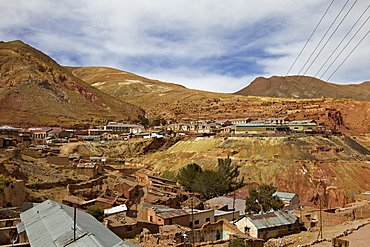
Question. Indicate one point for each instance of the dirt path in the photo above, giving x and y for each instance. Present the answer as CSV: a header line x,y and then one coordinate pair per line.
x,y
358,238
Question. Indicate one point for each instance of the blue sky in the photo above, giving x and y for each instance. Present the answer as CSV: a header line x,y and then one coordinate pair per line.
x,y
211,45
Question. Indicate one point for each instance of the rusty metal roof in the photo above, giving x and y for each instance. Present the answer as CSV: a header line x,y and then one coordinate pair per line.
x,y
273,219
172,213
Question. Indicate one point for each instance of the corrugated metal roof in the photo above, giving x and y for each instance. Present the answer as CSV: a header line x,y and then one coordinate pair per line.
x,y
273,219
284,195
172,213
239,203
117,209
51,224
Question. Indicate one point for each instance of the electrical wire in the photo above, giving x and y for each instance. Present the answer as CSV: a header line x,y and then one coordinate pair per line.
x,y
332,53
322,48
335,59
317,46
300,53
345,59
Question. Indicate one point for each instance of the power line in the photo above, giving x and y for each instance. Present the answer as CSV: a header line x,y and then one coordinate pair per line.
x,y
345,59
300,53
317,46
335,59
335,49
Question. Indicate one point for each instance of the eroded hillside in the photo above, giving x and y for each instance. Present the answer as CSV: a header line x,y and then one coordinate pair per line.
x,y
35,90
334,168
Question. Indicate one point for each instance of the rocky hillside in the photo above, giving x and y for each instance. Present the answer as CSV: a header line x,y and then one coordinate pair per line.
x,y
335,168
332,167
304,87
35,90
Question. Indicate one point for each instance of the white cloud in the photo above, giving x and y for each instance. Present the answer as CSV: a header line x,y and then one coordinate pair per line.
x,y
208,44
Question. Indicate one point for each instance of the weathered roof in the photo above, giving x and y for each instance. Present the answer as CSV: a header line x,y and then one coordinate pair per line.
x,y
239,203
51,224
7,127
172,213
284,195
273,219
117,209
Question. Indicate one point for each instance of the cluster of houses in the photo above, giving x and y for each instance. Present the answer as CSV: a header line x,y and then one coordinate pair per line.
x,y
120,131
149,208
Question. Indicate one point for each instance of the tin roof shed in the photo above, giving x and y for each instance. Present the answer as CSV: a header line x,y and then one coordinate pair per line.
x,y
51,224
273,219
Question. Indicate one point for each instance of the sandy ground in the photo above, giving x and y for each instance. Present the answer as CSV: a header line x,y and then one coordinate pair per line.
x,y
357,238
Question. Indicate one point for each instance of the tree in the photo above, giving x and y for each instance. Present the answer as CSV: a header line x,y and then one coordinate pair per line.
x,y
210,184
237,243
95,211
187,175
262,199
156,122
230,173
144,122
170,175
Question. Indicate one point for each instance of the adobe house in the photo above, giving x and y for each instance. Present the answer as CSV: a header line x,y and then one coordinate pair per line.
x,y
127,227
269,225
163,215
58,160
129,189
199,217
291,200
89,169
220,232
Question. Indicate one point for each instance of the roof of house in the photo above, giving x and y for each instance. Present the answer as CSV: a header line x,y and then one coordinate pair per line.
x,y
117,209
51,224
273,219
172,213
223,200
284,195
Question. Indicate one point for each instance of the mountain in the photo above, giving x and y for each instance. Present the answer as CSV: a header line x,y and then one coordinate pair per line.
x,y
304,87
161,100
35,90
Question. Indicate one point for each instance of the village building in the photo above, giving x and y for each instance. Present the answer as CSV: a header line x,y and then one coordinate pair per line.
x,y
220,232
269,225
128,188
57,227
127,227
291,200
199,217
227,203
89,169
165,215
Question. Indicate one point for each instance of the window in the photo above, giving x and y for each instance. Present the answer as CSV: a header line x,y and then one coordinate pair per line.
x,y
246,229
196,222
289,228
208,219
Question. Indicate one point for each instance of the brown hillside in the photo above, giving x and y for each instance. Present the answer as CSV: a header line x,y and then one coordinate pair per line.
x,y
159,99
304,87
35,90
178,104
